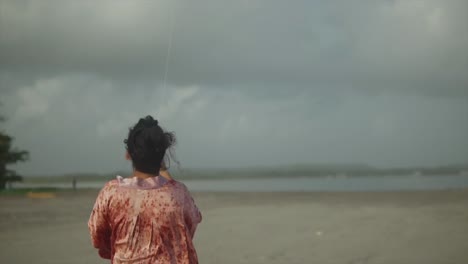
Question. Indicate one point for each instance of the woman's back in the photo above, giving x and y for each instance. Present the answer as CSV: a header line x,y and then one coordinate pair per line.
x,y
145,221
145,218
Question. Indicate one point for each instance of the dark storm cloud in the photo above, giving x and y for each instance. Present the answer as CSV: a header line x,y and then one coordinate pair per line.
x,y
395,45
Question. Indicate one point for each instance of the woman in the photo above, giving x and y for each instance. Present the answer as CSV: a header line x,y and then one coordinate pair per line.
x,y
149,217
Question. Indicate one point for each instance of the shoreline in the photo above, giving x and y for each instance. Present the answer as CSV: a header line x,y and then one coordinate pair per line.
x,y
303,184
449,193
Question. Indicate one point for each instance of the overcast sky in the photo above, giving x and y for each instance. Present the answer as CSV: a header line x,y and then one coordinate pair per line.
x,y
251,82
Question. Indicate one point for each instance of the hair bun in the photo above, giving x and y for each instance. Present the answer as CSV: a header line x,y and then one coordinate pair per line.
x,y
149,121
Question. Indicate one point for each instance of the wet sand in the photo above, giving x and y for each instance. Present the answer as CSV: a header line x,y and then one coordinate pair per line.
x,y
285,228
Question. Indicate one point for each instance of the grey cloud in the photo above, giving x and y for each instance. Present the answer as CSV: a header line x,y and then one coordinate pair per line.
x,y
365,45
249,83
76,124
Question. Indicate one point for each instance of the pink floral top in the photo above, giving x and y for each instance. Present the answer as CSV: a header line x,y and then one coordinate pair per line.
x,y
145,221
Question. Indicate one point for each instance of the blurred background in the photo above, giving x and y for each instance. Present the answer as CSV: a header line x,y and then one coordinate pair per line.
x,y
291,108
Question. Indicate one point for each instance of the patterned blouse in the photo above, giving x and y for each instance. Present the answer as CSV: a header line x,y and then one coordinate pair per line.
x,y
142,221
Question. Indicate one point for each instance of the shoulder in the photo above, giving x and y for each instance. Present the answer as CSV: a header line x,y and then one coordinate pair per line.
x,y
182,189
178,185
109,186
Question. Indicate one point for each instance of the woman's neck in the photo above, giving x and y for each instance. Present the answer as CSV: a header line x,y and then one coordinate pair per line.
x,y
142,175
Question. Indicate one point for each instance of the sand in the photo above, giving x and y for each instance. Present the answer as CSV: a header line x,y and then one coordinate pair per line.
x,y
287,228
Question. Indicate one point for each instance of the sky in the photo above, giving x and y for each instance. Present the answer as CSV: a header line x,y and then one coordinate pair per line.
x,y
241,83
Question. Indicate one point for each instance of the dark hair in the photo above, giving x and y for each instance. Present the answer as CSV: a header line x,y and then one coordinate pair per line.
x,y
147,144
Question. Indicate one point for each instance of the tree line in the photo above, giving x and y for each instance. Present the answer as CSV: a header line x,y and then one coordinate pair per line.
x,y
9,155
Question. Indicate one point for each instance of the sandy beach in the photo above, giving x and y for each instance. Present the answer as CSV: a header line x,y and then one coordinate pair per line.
x,y
353,228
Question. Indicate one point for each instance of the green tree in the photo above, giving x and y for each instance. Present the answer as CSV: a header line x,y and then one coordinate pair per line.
x,y
9,155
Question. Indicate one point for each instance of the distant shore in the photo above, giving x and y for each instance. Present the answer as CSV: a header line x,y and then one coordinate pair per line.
x,y
254,183
260,173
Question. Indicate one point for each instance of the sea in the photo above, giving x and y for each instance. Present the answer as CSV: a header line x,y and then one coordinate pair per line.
x,y
306,184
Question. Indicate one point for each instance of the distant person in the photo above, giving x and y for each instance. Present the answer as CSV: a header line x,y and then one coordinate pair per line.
x,y
148,217
74,183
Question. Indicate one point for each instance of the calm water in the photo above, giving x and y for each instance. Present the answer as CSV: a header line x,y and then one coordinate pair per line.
x,y
312,184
